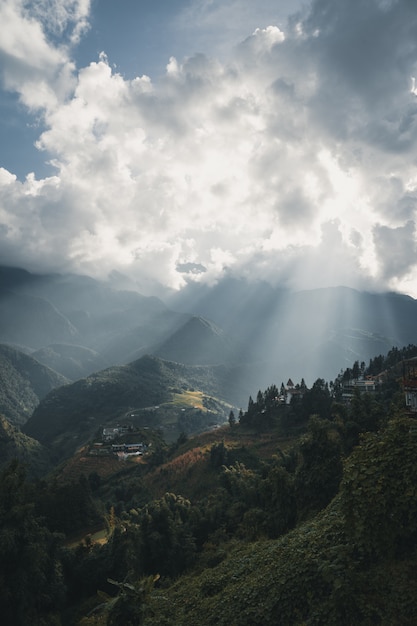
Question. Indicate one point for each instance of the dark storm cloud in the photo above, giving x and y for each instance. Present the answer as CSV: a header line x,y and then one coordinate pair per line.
x,y
365,54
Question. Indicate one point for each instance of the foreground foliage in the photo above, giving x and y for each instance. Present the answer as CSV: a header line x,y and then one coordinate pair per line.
x,y
32,588
322,529
353,564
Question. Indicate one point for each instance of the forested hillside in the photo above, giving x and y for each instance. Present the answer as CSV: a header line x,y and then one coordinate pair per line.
x,y
67,417
300,510
15,445
23,383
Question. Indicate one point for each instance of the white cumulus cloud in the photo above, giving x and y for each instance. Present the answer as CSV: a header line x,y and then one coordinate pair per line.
x,y
294,159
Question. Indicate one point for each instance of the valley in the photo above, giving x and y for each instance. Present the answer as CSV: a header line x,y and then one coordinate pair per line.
x,y
185,466
208,313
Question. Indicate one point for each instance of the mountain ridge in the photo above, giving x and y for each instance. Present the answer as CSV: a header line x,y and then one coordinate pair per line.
x,y
198,342
274,332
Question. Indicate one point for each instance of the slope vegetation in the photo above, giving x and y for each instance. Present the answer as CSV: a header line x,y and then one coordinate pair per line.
x,y
15,445
23,383
299,513
68,416
351,564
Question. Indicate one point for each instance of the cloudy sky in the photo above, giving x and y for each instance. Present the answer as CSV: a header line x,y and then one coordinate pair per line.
x,y
182,140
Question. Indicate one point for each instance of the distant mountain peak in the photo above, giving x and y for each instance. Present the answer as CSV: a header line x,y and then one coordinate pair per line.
x,y
198,342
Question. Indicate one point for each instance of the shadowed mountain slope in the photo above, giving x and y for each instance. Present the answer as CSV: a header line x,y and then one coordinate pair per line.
x,y
68,416
198,342
40,312
71,361
23,383
274,332
32,321
298,334
16,445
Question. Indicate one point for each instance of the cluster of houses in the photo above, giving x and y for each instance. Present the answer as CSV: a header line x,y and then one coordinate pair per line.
x,y
367,384
364,384
370,384
125,450
122,450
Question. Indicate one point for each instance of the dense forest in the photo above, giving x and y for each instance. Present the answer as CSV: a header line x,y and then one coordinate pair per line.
x,y
301,510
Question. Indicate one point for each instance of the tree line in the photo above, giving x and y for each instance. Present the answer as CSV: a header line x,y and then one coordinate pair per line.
x,y
156,541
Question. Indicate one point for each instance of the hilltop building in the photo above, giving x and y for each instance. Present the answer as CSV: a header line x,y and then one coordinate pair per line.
x,y
410,384
369,384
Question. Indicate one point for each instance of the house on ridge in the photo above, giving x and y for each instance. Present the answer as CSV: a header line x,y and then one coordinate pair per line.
x,y
410,384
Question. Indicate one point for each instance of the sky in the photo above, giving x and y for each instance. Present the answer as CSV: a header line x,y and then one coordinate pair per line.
x,y
184,141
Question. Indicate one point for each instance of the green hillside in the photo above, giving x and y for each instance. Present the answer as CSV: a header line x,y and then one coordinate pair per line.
x,y
71,415
15,445
354,563
23,383
299,512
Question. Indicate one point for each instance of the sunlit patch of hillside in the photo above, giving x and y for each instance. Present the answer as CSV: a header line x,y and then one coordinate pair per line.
x,y
189,472
190,399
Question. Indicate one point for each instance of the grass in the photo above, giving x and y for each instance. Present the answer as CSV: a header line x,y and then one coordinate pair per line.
x,y
263,444
189,472
188,399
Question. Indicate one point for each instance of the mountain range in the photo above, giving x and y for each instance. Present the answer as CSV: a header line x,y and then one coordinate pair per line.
x,y
299,334
233,516
95,351
78,325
